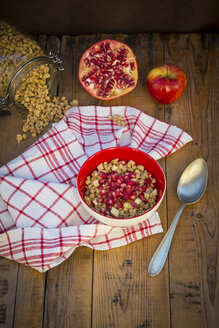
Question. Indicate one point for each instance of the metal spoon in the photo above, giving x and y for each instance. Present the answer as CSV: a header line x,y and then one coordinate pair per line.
x,y
190,189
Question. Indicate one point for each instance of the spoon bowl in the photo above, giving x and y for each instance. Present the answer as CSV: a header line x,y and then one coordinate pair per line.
x,y
193,182
191,187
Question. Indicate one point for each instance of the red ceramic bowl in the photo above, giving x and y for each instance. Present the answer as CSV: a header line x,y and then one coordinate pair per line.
x,y
123,153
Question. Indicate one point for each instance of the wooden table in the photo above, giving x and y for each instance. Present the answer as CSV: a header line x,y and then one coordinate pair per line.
x,y
112,288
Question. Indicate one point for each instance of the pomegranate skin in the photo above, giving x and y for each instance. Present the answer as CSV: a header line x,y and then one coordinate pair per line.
x,y
108,70
166,83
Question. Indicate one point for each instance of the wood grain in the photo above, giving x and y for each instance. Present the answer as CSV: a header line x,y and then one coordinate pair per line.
x,y
29,298
194,252
68,292
8,285
69,286
123,293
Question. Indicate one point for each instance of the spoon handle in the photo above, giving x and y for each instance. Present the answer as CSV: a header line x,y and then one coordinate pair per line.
x,y
159,258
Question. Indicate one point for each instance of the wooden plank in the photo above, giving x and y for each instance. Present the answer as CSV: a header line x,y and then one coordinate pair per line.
x,y
31,284
123,294
9,127
29,298
193,258
68,292
69,286
8,285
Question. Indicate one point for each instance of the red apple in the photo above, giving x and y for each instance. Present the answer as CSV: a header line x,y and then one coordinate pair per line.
x,y
166,83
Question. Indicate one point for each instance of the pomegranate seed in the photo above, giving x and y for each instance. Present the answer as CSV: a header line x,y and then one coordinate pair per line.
x,y
102,181
94,61
143,188
141,196
109,201
117,192
102,47
100,199
87,62
119,181
107,46
153,185
113,56
110,84
149,174
132,66
102,175
103,58
87,84
148,181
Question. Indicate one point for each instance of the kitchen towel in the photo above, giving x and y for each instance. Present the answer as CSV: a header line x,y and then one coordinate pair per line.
x,y
42,220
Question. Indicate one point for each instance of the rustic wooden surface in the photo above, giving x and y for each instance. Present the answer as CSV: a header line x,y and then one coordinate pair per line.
x,y
112,288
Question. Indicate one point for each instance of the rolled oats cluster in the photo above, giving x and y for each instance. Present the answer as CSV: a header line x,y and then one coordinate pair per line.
x,y
15,50
121,189
117,119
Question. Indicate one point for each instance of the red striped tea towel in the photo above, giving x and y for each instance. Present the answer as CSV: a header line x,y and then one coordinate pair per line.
x,y
41,218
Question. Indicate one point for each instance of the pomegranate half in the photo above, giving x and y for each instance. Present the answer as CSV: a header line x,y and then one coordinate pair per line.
x,y
108,70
